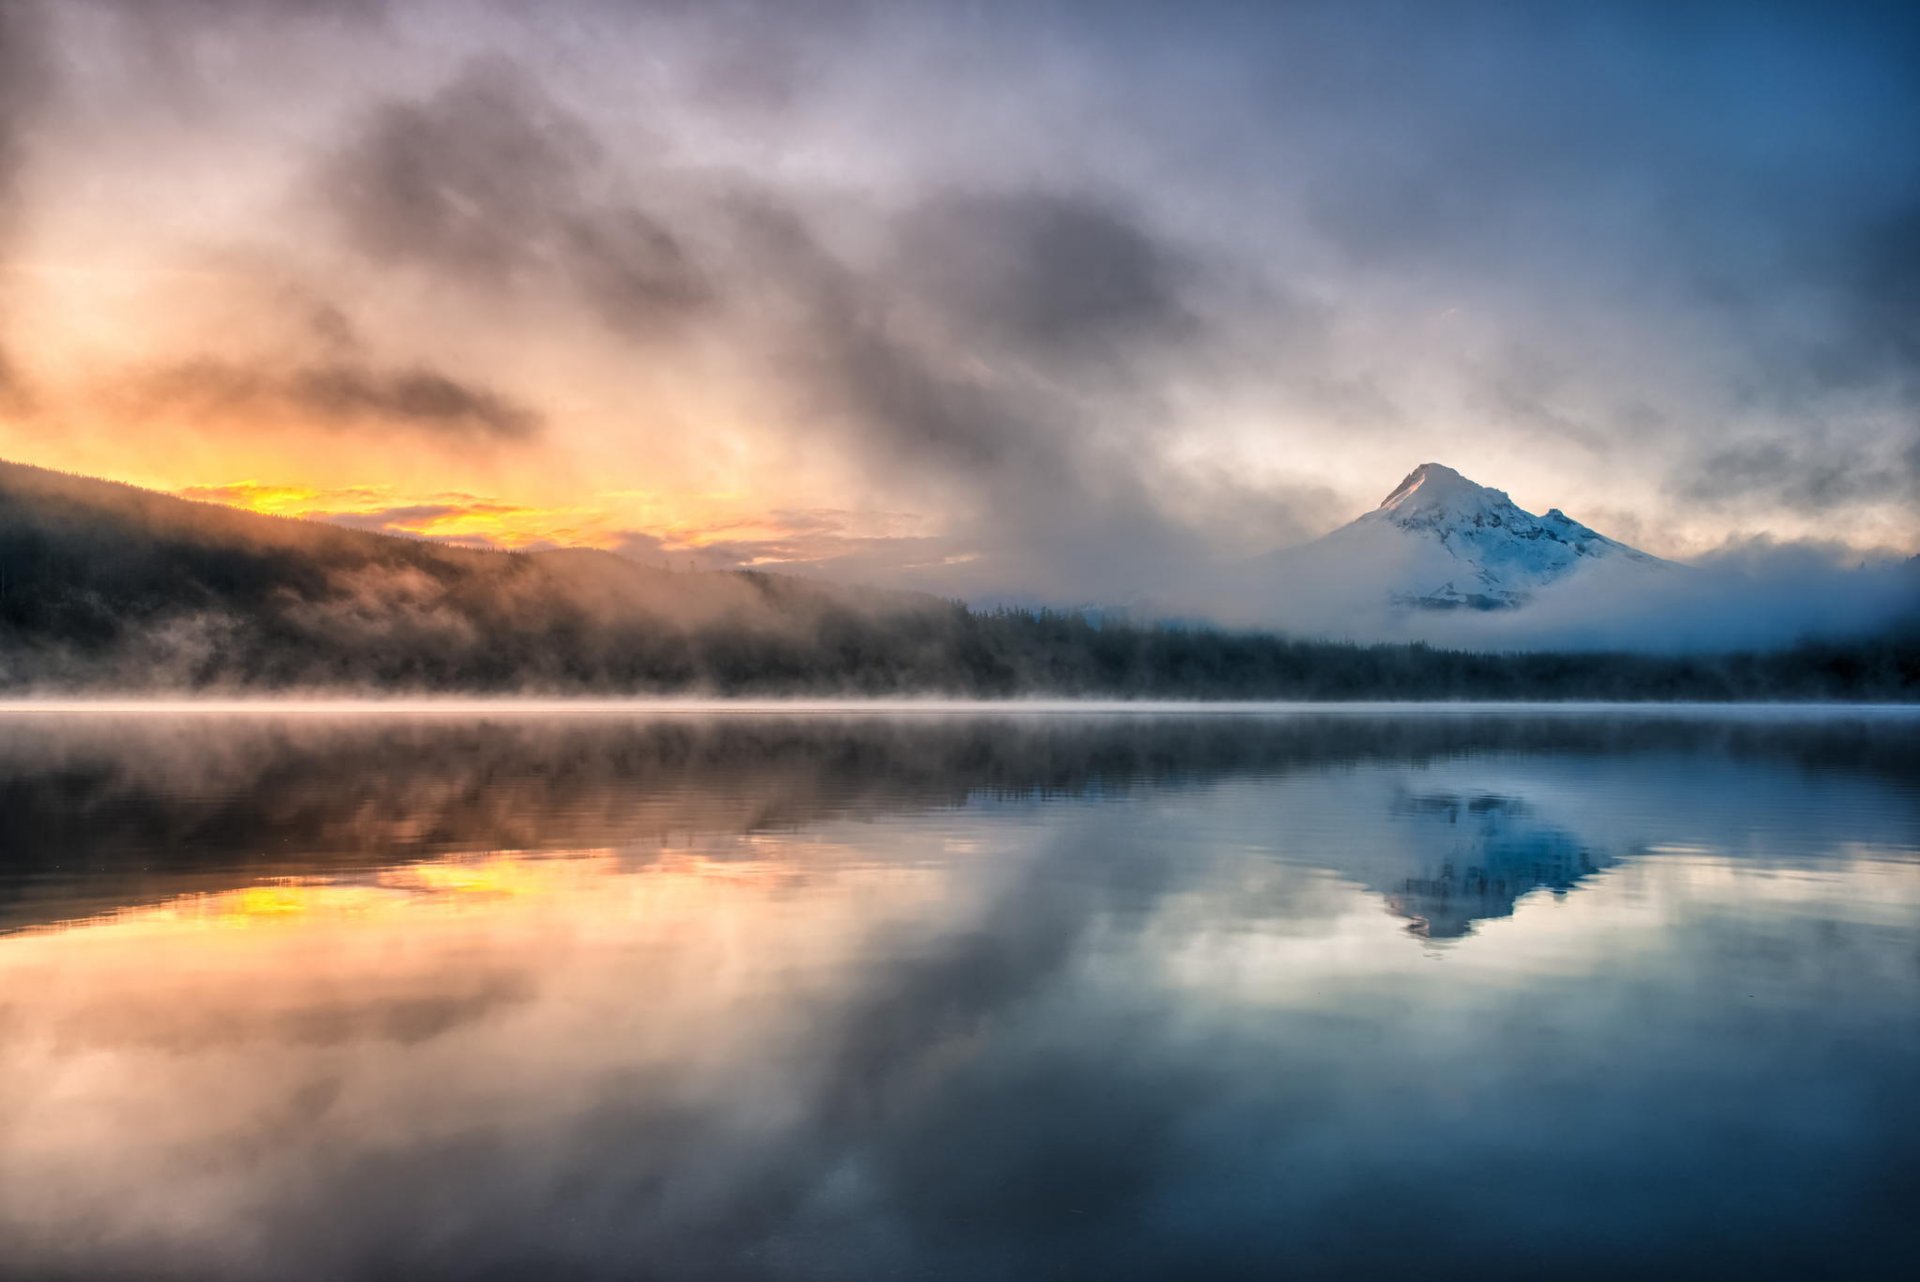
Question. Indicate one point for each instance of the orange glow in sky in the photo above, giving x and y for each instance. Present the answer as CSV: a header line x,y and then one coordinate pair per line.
x,y
679,524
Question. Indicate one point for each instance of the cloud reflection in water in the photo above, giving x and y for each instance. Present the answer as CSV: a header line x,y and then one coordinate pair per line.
x,y
956,998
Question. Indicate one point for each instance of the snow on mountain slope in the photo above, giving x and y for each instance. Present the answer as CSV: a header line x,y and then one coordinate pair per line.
x,y
1441,542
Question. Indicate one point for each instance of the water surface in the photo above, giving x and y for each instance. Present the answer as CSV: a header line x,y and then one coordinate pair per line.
x,y
1455,993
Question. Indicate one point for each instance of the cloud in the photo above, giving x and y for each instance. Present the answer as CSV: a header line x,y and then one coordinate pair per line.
x,y
829,552
1000,345
474,178
1639,278
1755,594
1888,276
174,40
809,540
25,78
235,10
1809,473
994,354
279,500
489,180
336,395
1050,274
1069,297
979,393
418,518
421,398
447,517
635,271
1099,294
1852,385
15,396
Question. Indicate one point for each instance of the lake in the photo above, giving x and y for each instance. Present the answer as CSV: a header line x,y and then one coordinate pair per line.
x,y
632,992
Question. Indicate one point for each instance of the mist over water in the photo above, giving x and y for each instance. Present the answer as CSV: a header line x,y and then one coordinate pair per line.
x,y
810,994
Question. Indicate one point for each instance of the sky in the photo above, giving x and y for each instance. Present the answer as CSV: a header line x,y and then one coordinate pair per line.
x,y
1039,299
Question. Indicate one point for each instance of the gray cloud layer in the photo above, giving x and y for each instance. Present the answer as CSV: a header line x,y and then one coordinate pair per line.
x,y
342,394
975,348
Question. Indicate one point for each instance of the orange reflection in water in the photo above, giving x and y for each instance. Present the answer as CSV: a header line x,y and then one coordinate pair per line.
x,y
316,902
417,892
172,1069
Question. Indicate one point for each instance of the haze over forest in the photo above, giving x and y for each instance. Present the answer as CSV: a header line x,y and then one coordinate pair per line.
x,y
106,587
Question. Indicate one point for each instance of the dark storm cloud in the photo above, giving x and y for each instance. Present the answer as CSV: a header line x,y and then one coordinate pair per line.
x,y
491,180
1059,273
229,10
487,178
844,338
1891,273
634,270
1847,346
420,397
1879,282
1002,325
165,27
25,76
342,394
1864,289
1740,178
1808,474
476,178
182,52
1045,445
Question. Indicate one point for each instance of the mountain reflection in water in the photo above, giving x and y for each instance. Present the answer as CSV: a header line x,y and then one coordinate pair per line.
x,y
1495,852
1482,995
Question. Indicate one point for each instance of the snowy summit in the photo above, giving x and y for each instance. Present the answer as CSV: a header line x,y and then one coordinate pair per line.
x,y
1441,542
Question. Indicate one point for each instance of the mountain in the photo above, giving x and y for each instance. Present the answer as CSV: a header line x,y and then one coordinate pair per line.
x,y
1441,542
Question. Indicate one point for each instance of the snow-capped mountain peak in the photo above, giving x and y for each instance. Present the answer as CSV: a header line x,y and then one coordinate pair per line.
x,y
1435,487
1441,541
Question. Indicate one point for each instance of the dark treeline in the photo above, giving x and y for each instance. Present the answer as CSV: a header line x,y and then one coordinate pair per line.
x,y
1007,653
107,587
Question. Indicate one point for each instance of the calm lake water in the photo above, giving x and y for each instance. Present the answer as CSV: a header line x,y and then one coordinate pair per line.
x,y
636,995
